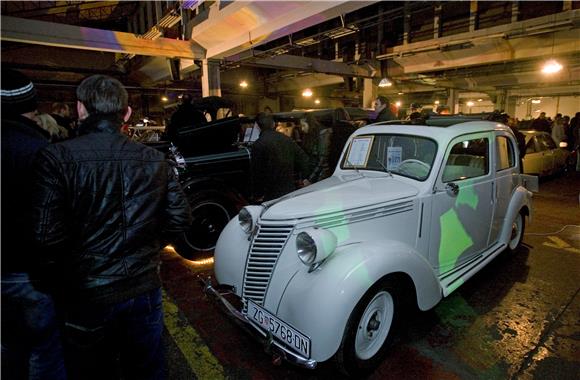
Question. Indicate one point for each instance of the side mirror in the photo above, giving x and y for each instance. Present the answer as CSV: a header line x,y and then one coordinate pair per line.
x,y
452,189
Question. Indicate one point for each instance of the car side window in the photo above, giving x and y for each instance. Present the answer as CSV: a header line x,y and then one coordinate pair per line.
x,y
548,142
505,153
531,146
467,159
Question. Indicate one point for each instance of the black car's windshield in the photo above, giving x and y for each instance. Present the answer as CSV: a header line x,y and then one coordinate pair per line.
x,y
409,156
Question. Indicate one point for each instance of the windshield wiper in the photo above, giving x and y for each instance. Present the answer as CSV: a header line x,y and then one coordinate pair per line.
x,y
354,166
383,166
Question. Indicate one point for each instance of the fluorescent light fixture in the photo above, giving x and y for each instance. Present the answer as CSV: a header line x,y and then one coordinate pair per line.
x,y
243,84
385,82
551,67
470,103
307,93
536,101
401,93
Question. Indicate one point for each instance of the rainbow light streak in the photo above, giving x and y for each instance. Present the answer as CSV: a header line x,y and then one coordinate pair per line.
x,y
92,37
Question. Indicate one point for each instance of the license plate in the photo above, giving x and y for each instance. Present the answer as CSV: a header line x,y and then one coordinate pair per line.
x,y
285,333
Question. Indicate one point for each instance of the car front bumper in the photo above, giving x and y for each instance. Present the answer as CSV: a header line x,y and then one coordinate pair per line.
x,y
271,346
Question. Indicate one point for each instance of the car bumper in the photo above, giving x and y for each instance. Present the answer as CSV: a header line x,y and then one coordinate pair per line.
x,y
272,347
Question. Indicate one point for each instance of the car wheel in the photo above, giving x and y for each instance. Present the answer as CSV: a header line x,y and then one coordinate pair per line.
x,y
370,330
210,214
517,232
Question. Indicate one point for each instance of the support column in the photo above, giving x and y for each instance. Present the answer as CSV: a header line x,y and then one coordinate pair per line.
x,y
567,6
515,11
510,108
472,15
210,79
437,21
453,100
406,23
501,100
369,93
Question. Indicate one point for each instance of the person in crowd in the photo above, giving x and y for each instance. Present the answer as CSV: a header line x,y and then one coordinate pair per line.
x,y
31,344
49,124
415,112
277,161
61,114
267,110
103,208
186,115
572,131
558,131
383,109
443,109
316,143
541,123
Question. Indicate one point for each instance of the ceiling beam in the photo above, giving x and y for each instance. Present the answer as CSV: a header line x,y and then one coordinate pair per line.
x,y
69,36
228,28
293,62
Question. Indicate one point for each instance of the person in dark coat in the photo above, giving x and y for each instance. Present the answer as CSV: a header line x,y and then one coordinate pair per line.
x,y
186,115
31,346
383,109
104,207
541,123
277,162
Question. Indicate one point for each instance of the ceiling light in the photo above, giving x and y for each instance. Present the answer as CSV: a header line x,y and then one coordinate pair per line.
x,y
480,100
164,98
436,102
385,83
401,93
398,103
307,93
551,67
243,84
470,103
536,101
317,101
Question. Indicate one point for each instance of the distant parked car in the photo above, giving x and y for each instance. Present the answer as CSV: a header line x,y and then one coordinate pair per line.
x,y
410,213
543,157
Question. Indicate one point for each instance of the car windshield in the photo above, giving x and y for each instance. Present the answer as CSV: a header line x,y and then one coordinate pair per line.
x,y
409,156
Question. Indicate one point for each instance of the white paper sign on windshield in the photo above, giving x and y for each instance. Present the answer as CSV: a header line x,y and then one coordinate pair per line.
x,y
394,157
359,151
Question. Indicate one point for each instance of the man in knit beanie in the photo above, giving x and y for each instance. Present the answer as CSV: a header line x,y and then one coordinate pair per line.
x,y
30,339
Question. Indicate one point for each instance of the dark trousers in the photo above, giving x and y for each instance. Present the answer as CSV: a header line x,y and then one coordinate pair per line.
x,y
119,340
31,344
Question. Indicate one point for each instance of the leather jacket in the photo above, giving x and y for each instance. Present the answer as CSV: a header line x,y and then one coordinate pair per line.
x,y
103,208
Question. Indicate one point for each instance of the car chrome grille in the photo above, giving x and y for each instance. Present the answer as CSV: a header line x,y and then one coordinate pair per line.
x,y
264,251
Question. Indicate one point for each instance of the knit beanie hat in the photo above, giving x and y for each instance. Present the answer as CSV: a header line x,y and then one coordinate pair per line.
x,y
18,93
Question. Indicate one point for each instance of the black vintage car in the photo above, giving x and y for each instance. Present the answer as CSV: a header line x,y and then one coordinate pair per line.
x,y
214,170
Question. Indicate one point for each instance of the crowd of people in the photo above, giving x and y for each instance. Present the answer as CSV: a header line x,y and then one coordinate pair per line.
x,y
83,224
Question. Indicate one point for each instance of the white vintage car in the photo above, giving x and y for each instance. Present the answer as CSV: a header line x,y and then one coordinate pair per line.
x,y
410,213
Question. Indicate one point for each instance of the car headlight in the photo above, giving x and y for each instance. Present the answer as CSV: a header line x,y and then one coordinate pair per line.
x,y
314,245
248,217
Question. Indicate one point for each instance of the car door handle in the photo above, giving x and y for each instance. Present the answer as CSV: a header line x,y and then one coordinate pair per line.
x,y
452,189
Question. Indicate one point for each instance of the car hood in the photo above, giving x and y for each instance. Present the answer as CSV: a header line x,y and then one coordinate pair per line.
x,y
338,194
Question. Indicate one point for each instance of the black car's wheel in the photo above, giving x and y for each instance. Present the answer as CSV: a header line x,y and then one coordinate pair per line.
x,y
370,330
210,213
517,232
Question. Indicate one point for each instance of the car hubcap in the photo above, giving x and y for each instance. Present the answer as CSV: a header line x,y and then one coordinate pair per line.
x,y
516,230
209,219
374,325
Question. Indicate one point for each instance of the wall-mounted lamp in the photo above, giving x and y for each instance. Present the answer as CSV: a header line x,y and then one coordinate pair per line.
x,y
243,84
307,93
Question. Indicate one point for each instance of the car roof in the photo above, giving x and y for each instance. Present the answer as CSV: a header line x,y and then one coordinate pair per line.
x,y
435,133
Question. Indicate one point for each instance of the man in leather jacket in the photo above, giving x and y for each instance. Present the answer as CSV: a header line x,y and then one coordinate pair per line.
x,y
104,207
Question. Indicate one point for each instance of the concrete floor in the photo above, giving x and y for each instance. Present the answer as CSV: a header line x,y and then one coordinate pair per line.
x,y
519,318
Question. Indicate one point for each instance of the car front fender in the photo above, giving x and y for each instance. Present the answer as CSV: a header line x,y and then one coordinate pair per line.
x,y
320,303
230,255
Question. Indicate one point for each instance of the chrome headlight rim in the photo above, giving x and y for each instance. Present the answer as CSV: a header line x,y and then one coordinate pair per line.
x,y
246,220
306,248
